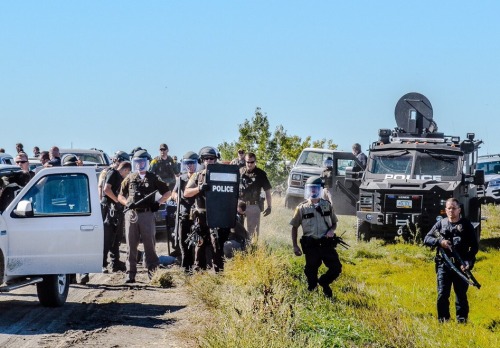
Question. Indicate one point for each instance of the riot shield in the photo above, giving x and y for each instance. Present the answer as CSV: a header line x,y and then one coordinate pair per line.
x,y
222,195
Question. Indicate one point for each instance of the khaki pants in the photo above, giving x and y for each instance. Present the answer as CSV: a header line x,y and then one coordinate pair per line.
x,y
140,227
253,221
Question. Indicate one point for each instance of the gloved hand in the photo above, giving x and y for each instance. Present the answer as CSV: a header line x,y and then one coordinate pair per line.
x,y
204,187
155,206
131,205
267,211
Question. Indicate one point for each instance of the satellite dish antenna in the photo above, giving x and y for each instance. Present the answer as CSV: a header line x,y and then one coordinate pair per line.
x,y
414,114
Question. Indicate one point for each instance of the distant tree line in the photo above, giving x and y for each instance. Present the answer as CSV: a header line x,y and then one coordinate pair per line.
x,y
276,151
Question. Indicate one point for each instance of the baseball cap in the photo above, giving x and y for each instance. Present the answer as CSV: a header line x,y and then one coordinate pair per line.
x,y
163,147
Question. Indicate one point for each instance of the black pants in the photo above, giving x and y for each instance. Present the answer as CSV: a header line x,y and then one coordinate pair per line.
x,y
187,252
316,253
113,233
445,279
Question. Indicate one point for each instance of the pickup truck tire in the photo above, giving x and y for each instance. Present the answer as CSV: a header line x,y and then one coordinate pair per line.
x,y
363,231
53,290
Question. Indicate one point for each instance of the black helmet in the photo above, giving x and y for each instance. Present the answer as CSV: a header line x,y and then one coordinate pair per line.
x,y
314,180
190,155
142,154
70,160
134,150
208,151
121,156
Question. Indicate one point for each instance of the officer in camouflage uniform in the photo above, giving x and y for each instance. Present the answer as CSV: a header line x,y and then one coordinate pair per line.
x,y
318,222
139,215
208,251
165,167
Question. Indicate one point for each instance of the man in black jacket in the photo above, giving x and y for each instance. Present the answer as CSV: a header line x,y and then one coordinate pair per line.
x,y
453,232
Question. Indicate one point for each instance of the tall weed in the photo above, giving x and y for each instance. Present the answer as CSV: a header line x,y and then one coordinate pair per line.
x,y
385,296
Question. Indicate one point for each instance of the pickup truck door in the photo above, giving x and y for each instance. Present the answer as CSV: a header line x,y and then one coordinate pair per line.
x,y
65,233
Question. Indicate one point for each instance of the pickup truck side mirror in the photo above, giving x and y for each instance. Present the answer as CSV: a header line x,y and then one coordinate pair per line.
x,y
24,209
479,177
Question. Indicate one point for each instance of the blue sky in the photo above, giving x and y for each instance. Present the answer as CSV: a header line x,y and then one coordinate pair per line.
x,y
120,74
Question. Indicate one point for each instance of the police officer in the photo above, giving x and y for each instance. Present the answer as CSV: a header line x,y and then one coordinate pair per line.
x,y
112,211
253,181
137,194
453,232
208,249
184,222
318,222
327,178
164,166
356,151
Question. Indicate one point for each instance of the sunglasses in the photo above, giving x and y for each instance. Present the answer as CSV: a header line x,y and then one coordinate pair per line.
x,y
209,158
163,149
17,162
250,162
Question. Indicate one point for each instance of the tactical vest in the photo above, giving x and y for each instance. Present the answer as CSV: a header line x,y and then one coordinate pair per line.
x,y
200,198
248,192
140,188
316,221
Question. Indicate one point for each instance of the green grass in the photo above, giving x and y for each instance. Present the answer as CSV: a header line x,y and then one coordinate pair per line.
x,y
385,296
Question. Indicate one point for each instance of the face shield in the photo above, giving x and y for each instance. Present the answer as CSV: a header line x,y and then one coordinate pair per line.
x,y
140,164
312,191
328,163
189,166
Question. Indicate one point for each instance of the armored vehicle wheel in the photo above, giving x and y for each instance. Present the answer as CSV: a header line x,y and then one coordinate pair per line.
x,y
53,290
363,231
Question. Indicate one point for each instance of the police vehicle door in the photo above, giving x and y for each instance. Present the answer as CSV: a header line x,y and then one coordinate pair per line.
x,y
222,196
347,174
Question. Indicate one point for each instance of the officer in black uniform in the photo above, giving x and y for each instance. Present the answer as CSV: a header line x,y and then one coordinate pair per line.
x,y
318,222
453,232
184,222
112,211
137,194
208,250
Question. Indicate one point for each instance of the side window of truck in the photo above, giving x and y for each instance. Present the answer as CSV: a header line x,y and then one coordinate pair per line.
x,y
60,194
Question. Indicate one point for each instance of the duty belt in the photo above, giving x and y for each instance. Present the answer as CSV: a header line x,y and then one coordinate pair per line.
x,y
142,210
252,202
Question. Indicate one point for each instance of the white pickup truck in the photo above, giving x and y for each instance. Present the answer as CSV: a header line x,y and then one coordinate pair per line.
x,y
52,229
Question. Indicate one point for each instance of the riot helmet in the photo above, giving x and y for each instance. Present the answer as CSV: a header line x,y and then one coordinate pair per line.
x,y
121,156
140,161
328,162
189,162
312,188
208,152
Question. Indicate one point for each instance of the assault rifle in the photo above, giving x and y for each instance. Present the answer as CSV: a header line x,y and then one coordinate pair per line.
x,y
339,240
466,275
142,200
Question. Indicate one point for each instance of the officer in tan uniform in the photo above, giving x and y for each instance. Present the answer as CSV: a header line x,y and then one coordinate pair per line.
x,y
318,222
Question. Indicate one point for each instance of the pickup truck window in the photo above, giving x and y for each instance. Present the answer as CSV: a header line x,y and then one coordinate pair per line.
x,y
60,194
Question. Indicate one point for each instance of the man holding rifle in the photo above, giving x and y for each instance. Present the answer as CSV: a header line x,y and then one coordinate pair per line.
x,y
318,241
457,247
137,194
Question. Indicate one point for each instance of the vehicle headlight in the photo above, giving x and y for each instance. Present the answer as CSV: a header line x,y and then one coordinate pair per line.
x,y
495,182
296,177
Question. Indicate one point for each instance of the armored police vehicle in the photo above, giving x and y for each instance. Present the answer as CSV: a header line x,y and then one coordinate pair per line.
x,y
411,171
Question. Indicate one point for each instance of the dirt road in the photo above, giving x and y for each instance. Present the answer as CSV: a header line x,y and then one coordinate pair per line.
x,y
103,313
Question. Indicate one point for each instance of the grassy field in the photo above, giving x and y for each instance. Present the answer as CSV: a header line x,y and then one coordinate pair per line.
x,y
385,296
